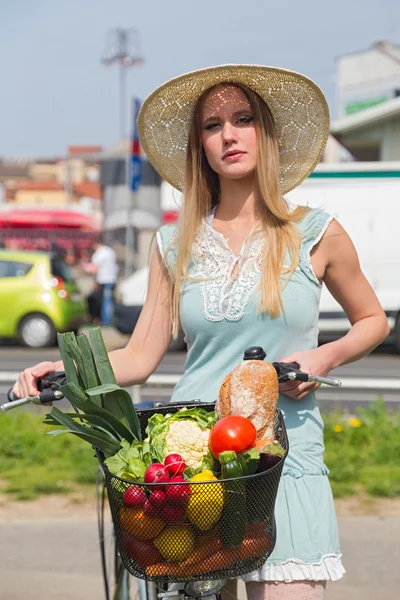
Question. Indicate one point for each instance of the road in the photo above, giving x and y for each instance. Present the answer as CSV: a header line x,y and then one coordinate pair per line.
x,y
60,559
382,363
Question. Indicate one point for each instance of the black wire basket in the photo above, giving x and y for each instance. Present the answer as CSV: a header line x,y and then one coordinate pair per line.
x,y
208,530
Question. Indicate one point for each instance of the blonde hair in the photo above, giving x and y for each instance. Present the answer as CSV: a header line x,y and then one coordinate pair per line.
x,y
201,194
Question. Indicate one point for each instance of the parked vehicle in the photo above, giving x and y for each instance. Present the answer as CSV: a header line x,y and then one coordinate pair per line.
x,y
365,198
38,297
130,296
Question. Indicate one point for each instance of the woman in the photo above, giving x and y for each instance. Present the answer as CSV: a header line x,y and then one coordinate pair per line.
x,y
243,268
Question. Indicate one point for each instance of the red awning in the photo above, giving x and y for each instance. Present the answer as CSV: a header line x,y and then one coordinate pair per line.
x,y
47,219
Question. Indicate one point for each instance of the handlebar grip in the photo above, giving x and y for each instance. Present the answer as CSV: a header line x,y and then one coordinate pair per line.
x,y
300,376
294,365
11,396
48,396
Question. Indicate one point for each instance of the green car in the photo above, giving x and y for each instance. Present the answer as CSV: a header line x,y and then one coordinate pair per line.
x,y
38,297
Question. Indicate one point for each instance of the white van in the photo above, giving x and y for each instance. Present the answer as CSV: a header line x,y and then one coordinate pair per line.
x,y
365,197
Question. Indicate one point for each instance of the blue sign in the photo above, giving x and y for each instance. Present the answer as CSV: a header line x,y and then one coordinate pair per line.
x,y
136,161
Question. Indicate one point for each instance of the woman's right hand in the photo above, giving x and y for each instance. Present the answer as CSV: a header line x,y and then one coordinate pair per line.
x,y
28,380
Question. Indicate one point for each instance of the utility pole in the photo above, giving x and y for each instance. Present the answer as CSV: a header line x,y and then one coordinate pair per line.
x,y
122,48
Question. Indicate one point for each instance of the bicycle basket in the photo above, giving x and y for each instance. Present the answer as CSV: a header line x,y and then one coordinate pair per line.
x,y
224,529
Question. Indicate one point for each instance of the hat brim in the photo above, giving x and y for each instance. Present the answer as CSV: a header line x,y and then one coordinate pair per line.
x,y
297,104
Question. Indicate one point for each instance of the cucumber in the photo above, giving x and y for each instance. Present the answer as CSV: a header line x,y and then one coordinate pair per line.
x,y
233,520
250,461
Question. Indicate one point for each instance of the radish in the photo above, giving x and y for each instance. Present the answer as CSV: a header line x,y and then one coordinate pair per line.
x,y
134,496
173,514
152,510
177,493
156,473
175,464
158,498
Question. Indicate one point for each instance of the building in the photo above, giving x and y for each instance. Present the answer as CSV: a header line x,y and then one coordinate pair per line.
x,y
141,211
79,165
368,124
367,78
49,193
13,171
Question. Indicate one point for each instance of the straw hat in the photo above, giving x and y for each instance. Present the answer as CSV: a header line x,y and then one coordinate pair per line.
x,y
297,104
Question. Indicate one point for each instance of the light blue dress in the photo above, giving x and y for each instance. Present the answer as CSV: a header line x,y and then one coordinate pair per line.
x,y
220,319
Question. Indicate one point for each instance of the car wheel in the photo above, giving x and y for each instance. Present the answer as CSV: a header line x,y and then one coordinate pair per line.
x,y
37,331
397,335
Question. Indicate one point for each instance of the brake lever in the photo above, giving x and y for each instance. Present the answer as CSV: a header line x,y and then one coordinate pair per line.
x,y
291,372
49,388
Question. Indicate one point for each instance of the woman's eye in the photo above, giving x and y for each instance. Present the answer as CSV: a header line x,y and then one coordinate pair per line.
x,y
245,120
211,126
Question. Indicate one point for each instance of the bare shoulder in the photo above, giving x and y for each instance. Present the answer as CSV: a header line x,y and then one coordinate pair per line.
x,y
334,248
335,244
334,230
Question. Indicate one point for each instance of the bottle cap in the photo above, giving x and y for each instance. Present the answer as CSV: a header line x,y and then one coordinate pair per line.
x,y
254,353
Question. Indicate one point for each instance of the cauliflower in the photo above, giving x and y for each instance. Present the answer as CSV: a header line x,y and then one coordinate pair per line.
x,y
185,432
189,440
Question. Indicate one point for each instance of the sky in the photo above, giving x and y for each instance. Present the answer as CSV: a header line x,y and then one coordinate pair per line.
x,y
56,92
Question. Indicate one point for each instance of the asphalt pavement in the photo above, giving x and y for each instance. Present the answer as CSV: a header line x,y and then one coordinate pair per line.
x,y
383,365
42,560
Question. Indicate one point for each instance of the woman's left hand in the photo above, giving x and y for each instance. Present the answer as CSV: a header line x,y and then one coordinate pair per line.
x,y
313,362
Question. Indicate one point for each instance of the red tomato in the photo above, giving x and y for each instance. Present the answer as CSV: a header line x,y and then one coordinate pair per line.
x,y
232,433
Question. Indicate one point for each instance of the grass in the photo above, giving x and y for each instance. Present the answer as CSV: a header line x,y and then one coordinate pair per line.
x,y
33,463
362,454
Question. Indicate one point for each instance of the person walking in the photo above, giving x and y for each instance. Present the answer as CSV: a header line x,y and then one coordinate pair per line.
x,y
105,269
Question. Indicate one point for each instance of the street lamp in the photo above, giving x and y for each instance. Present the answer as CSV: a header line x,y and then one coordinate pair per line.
x,y
122,48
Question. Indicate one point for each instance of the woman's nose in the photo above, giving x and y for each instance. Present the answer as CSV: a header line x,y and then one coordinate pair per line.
x,y
228,133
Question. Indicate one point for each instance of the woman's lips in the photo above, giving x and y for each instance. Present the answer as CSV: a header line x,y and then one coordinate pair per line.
x,y
233,156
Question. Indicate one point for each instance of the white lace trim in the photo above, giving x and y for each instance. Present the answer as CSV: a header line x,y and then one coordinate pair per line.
x,y
329,568
214,263
315,242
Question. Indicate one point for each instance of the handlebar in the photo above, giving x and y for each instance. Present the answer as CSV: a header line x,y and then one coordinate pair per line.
x,y
48,388
50,392
291,372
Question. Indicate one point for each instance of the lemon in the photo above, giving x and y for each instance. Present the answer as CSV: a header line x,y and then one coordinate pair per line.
x,y
206,501
175,542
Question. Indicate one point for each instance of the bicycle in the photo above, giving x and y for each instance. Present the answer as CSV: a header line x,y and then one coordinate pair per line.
x,y
115,563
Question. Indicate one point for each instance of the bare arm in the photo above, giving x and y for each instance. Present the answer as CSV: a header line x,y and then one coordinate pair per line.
x,y
349,286
335,260
152,335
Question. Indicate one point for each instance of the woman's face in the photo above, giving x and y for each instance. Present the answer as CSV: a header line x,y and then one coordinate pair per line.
x,y
228,132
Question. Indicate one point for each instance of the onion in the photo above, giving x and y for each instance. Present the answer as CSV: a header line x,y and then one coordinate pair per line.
x,y
156,473
175,464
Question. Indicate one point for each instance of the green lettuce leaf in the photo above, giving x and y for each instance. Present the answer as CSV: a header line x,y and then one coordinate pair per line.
x,y
128,462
